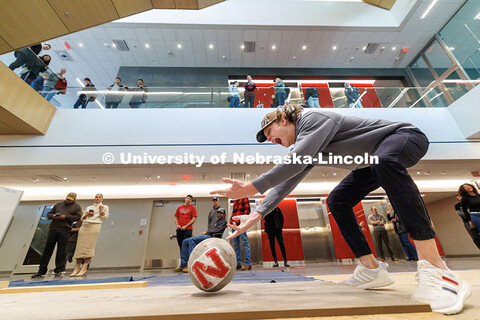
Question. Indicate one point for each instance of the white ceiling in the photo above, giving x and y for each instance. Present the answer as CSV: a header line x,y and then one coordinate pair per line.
x,y
101,62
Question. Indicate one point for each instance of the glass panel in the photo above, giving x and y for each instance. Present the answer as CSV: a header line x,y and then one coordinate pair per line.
x,y
39,239
438,58
456,85
462,32
472,66
421,72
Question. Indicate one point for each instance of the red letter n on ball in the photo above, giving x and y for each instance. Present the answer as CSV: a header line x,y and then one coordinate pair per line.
x,y
219,271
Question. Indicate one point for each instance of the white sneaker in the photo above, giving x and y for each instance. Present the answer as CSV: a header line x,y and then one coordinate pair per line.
x,y
365,278
442,289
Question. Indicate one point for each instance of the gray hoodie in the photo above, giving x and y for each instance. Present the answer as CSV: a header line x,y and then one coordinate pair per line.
x,y
323,131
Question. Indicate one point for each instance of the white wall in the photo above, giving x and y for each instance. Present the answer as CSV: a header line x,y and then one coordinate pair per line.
x,y
9,200
119,245
77,137
466,114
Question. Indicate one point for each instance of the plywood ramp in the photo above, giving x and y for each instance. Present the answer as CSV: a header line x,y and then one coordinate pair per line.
x,y
74,287
236,301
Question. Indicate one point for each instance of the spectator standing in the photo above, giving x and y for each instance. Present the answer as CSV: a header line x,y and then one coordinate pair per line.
x,y
86,97
139,95
353,96
234,95
114,94
470,204
378,222
212,216
408,247
311,97
49,89
88,234
473,232
249,93
63,214
273,228
241,207
185,217
34,67
27,55
72,241
280,92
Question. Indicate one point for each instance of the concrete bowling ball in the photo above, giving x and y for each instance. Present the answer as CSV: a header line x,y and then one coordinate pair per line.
x,y
212,264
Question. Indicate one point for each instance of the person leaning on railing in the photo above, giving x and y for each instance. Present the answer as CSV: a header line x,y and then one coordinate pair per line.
x,y
34,67
27,55
88,94
51,86
138,97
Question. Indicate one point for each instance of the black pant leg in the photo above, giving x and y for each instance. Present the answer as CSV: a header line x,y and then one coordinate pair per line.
x,y
47,251
61,258
281,244
349,192
20,61
397,152
179,238
378,241
387,243
271,241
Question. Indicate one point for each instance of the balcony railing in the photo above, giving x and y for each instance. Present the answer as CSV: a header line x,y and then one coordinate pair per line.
x,y
217,97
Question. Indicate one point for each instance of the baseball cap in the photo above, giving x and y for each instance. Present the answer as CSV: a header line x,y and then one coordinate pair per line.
x,y
214,198
267,120
221,210
72,196
87,79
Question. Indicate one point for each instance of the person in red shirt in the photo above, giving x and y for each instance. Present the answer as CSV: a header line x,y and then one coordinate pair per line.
x,y
241,207
185,217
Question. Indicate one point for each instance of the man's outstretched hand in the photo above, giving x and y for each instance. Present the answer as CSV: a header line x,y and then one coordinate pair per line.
x,y
238,190
246,221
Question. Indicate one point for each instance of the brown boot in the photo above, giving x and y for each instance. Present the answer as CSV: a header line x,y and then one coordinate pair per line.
x,y
179,268
84,268
77,268
246,267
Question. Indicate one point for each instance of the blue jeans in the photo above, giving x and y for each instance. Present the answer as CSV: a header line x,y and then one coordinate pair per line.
x,y
408,246
49,92
246,249
188,245
313,102
475,217
234,102
281,96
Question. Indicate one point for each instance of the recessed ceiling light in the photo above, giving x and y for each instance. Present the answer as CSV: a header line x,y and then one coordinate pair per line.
x,y
80,45
179,46
394,48
211,46
242,46
114,45
274,47
304,47
158,177
364,48
35,180
334,48
65,178
147,45
428,9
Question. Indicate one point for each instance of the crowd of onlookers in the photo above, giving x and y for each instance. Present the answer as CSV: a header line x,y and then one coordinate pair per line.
x,y
36,72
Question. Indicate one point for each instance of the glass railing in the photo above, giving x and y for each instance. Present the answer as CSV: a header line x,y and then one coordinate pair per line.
x,y
218,97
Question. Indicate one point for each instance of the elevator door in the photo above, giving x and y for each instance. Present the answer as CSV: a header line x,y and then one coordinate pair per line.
x,y
316,235
162,247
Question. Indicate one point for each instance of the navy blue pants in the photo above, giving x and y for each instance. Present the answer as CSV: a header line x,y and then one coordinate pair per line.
x,y
398,151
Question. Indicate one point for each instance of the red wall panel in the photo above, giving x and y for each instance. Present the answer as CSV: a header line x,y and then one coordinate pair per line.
x,y
370,99
342,250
